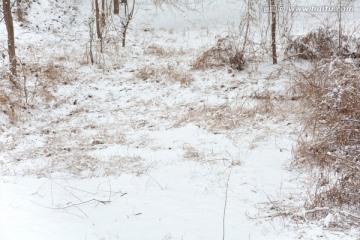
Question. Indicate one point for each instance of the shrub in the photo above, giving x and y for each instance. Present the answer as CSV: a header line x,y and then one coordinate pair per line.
x,y
322,43
331,140
225,53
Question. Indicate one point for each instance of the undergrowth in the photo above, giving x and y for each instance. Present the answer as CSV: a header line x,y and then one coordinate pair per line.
x,y
330,142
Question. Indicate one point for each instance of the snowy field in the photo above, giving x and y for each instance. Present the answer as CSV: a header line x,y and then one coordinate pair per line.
x,y
142,147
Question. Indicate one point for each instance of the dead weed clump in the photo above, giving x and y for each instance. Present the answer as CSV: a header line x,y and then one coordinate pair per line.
x,y
53,74
322,43
191,153
157,51
330,143
146,73
8,107
225,53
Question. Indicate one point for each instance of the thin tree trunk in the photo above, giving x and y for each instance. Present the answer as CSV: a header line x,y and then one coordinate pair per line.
x,y
273,31
116,7
91,43
340,31
103,15
247,26
124,38
97,19
128,17
125,3
11,39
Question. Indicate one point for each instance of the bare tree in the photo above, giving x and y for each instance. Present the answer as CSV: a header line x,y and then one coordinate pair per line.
x,y
125,21
11,39
273,8
100,20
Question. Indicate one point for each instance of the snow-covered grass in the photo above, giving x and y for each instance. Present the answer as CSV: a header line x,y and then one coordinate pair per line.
x,y
139,145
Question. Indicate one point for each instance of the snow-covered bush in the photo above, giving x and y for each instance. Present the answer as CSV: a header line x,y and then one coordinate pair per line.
x,y
330,144
225,53
323,43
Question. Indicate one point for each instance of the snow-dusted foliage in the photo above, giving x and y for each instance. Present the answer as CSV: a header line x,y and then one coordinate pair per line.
x,y
331,141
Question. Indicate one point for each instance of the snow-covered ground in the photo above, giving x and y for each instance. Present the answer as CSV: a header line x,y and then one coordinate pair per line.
x,y
140,146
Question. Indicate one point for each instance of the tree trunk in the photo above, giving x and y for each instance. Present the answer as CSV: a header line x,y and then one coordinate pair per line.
x,y
97,19
340,31
91,34
11,39
116,7
103,15
248,17
273,30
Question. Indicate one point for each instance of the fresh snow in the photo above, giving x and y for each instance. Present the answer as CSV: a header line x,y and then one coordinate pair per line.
x,y
104,154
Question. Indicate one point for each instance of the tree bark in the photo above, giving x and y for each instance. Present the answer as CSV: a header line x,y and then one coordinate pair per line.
x,y
116,7
11,39
273,30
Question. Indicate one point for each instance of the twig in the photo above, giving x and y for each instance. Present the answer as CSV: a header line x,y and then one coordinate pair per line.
x,y
274,205
75,204
161,187
225,205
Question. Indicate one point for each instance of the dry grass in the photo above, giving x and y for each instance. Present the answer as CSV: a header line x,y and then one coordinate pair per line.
x,y
229,116
11,98
162,52
225,53
218,117
265,103
323,43
330,144
146,73
4,98
83,165
191,153
35,86
157,51
53,74
169,73
43,79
